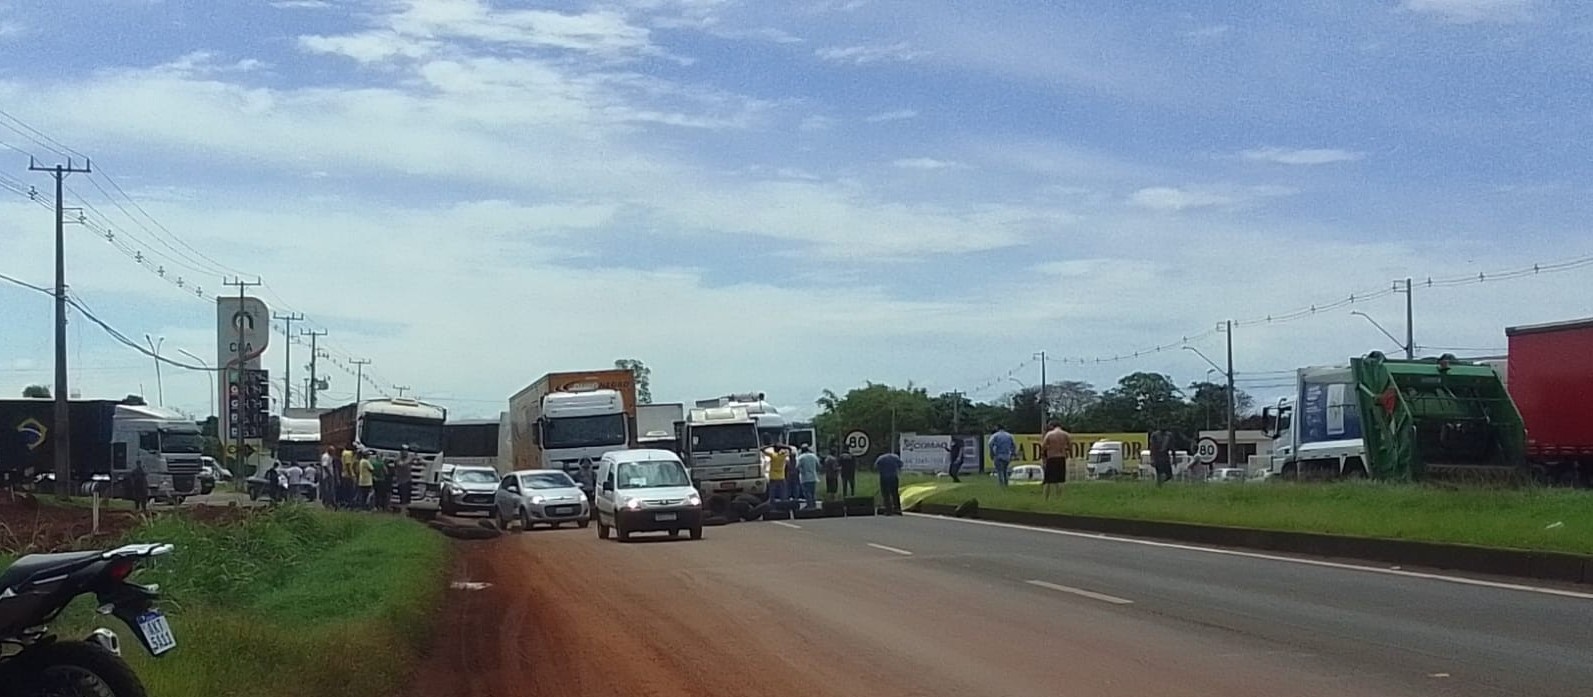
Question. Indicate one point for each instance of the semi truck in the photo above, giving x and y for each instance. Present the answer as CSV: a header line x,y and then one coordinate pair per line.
x,y
108,439
387,426
567,421
1549,376
771,425
724,453
655,425
1391,419
472,443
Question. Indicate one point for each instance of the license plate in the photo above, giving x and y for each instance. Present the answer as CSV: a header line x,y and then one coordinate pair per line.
x,y
156,632
563,510
664,516
728,486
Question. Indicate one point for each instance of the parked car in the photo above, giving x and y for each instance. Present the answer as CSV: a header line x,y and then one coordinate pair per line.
x,y
539,497
646,491
1024,473
469,489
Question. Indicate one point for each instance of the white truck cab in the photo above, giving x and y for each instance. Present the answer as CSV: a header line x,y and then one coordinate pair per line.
x,y
646,491
726,455
1317,433
575,428
167,444
1105,460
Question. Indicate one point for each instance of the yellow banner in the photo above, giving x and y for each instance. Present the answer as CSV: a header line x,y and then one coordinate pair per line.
x,y
1029,452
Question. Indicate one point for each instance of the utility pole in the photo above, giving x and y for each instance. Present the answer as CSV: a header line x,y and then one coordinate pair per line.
x,y
287,356
401,389
314,356
1233,438
237,374
154,349
956,413
1410,321
63,428
359,376
1045,402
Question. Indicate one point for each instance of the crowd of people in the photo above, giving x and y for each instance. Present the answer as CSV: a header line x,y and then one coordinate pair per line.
x,y
347,479
795,472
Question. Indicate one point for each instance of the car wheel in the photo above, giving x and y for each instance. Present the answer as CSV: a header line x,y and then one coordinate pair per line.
x,y
446,507
602,530
525,519
583,522
555,525
696,533
674,533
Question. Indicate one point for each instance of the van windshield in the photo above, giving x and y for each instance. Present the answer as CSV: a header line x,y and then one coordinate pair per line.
x,y
652,473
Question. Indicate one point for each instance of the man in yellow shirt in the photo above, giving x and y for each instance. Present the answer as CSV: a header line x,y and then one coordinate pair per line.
x,y
347,485
367,479
777,455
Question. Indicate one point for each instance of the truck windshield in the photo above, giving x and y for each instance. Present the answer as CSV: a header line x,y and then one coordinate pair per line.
x,y
184,442
394,432
583,431
725,437
772,433
1099,457
298,451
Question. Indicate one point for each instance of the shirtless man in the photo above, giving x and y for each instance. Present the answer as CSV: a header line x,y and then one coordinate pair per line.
x,y
1055,446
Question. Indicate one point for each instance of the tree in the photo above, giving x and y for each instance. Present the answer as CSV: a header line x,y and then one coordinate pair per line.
x,y
1068,399
643,375
1208,406
877,409
35,392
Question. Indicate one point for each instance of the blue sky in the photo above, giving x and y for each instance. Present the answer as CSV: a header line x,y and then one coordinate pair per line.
x,y
794,196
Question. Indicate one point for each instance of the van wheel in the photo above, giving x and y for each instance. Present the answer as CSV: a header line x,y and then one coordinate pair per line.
x,y
623,534
583,522
602,530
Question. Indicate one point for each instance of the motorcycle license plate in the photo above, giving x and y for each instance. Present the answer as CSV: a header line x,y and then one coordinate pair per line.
x,y
156,632
664,516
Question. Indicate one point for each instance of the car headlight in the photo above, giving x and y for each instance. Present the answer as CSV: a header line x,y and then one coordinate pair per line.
x,y
694,500
537,500
633,504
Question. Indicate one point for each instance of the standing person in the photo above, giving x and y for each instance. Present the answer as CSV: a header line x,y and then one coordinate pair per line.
x,y
808,474
777,456
350,479
1161,452
1002,450
138,487
366,479
954,458
832,472
312,482
329,478
889,467
1056,446
848,474
293,474
381,482
793,478
402,475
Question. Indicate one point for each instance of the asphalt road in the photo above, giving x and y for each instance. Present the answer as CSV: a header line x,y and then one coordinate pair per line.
x,y
929,607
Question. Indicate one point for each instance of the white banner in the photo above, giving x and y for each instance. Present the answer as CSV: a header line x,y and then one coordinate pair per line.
x,y
925,453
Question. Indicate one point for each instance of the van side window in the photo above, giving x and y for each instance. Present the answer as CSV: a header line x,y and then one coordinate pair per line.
x,y
149,441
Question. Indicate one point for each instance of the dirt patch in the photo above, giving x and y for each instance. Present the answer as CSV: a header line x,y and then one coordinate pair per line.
x,y
31,526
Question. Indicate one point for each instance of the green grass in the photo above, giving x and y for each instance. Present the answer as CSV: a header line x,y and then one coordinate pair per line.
x,y
1534,519
289,601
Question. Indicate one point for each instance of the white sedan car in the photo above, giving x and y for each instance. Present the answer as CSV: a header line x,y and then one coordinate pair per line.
x,y
535,497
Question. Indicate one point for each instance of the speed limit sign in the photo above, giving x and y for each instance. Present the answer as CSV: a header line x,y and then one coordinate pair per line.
x,y
857,443
1206,451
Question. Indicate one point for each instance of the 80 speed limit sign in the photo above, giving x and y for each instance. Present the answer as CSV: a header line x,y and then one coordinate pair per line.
x,y
1206,451
856,443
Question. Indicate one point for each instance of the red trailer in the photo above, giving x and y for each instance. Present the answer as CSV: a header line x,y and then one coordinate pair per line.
x,y
1550,378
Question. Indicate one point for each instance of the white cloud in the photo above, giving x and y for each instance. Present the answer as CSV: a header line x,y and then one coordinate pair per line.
x,y
1208,33
1175,199
926,163
816,123
301,4
1475,11
1304,156
898,115
862,54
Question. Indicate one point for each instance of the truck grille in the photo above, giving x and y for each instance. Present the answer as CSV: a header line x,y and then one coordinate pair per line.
x,y
183,467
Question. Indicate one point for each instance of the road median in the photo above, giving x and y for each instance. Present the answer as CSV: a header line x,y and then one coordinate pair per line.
x,y
1531,534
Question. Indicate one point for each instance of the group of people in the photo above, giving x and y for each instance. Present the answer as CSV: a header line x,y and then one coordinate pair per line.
x,y
347,479
794,472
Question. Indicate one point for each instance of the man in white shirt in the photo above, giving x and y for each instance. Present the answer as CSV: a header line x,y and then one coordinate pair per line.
x,y
328,479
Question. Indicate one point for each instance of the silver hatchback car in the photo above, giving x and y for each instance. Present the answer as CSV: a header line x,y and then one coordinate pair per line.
x,y
535,497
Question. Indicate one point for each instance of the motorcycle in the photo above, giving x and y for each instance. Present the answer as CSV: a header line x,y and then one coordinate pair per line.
x,y
36,588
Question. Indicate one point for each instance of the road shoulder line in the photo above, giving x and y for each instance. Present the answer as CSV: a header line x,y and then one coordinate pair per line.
x,y
894,550
1081,592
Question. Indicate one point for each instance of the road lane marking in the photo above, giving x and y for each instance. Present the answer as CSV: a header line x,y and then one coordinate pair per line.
x,y
1080,591
1461,580
902,552
784,524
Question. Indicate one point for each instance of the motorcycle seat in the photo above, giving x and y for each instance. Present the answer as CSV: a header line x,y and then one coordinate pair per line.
x,y
38,565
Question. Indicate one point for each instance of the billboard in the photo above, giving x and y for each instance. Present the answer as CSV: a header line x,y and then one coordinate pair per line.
x,y
932,453
243,326
1029,451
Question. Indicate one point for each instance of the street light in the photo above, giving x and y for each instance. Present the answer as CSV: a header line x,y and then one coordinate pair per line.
x,y
1233,439
1410,350
209,373
154,348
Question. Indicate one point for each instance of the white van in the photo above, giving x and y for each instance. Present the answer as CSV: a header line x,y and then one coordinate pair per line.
x,y
645,491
